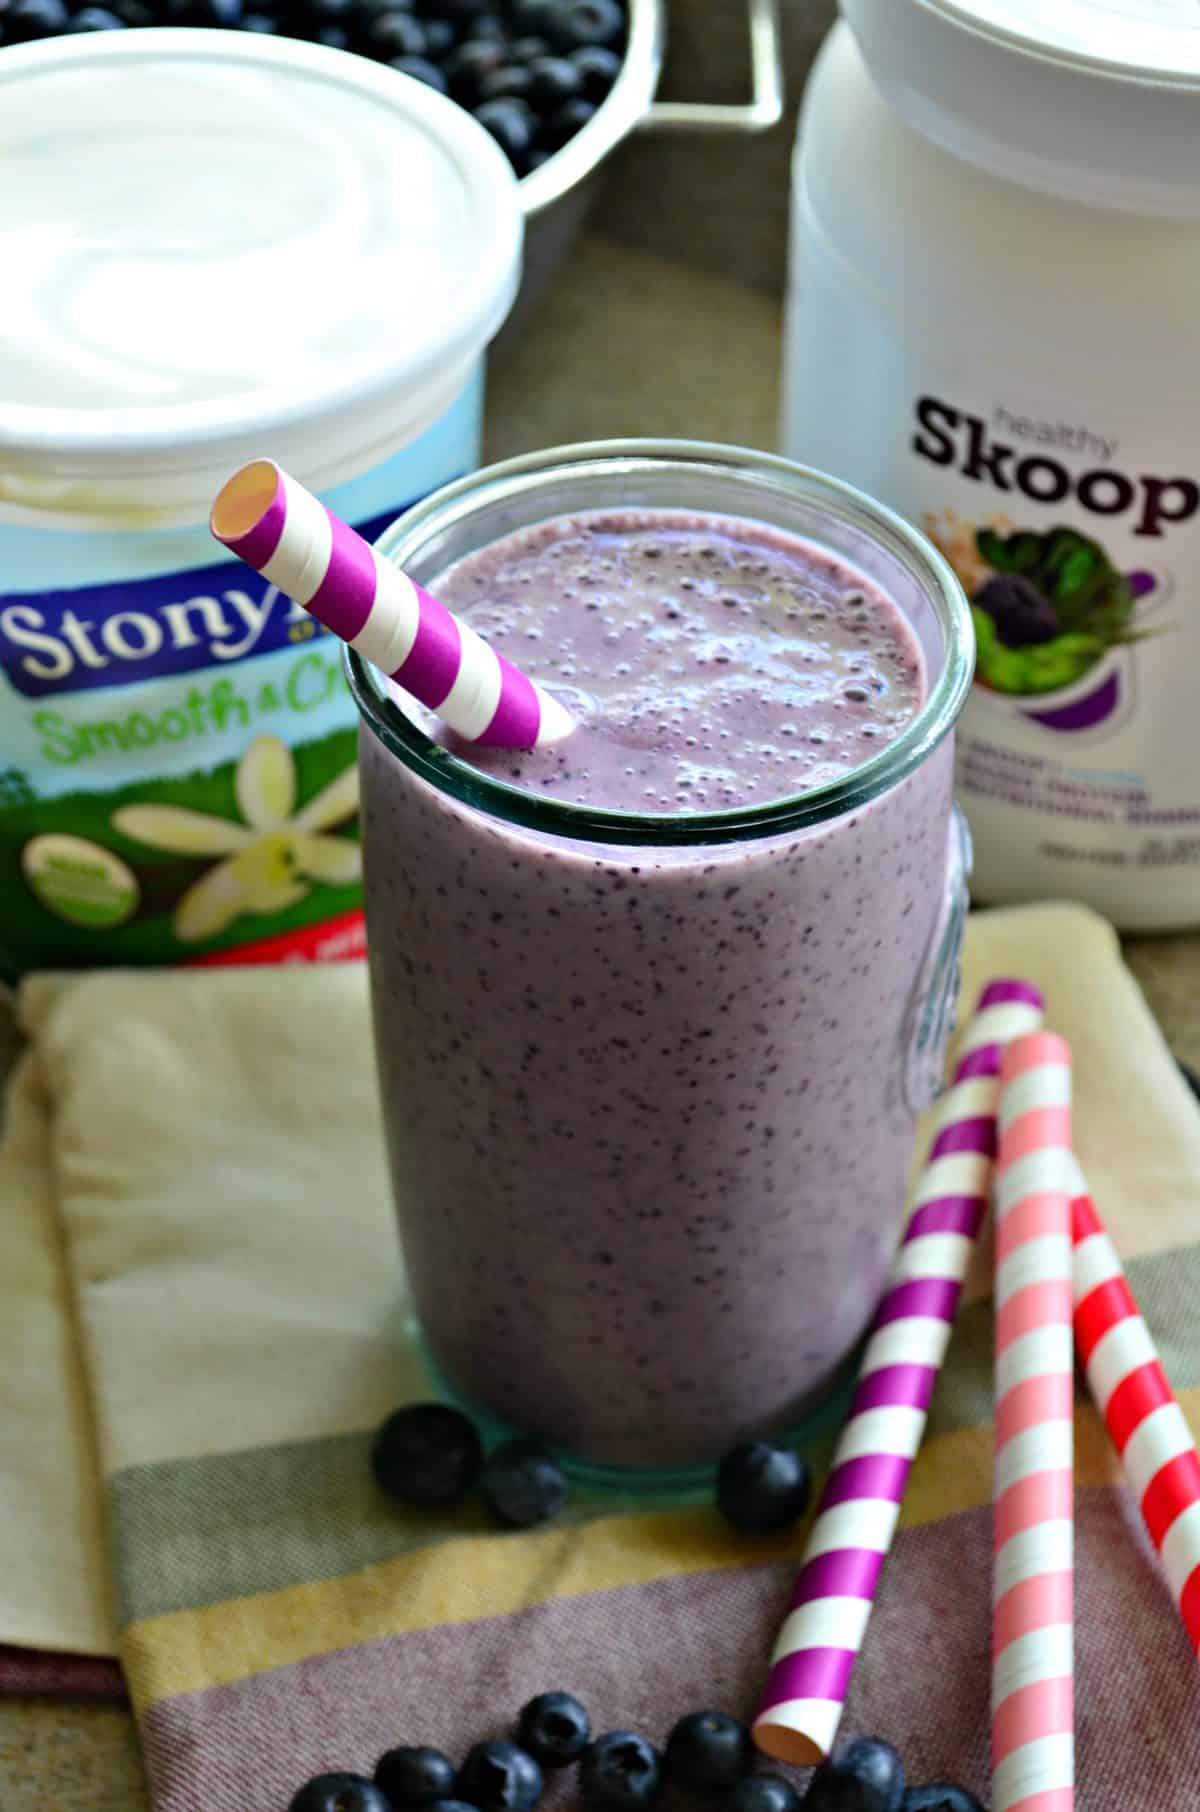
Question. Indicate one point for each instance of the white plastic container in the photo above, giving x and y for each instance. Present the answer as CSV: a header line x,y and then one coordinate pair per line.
x,y
213,246
994,326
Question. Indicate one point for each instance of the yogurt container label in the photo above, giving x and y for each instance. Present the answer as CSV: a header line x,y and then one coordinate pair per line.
x,y
178,744
179,779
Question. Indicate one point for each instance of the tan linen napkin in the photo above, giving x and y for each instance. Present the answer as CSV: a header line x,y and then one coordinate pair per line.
x,y
1138,1130
220,1176
54,1585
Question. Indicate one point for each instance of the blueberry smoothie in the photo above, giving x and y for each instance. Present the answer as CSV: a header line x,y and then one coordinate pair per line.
x,y
644,1096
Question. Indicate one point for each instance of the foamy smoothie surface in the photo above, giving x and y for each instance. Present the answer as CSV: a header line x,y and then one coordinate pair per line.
x,y
711,662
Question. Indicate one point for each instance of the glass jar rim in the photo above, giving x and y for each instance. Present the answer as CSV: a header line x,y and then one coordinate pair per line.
x,y
454,504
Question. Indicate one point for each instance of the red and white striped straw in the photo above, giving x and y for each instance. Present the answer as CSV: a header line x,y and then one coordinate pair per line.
x,y
818,1644
285,533
1033,1670
1147,1426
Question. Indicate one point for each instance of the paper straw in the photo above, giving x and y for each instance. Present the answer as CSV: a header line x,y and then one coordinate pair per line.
x,y
819,1642
1147,1426
1033,1718
283,531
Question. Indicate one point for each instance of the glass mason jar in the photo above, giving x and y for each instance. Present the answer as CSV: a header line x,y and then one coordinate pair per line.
x,y
650,1080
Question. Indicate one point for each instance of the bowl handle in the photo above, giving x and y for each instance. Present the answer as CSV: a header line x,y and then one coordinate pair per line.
x,y
764,110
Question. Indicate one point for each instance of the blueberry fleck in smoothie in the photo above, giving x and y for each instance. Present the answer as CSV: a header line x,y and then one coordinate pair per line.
x,y
644,1092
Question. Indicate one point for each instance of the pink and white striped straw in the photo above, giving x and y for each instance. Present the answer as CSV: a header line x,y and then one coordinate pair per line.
x,y
1033,1668
819,1642
1132,1392
285,533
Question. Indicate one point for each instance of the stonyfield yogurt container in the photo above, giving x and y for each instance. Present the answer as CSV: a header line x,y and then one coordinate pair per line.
x,y
656,1006
212,245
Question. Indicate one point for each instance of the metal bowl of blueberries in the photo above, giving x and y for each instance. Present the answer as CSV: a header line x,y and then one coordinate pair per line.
x,y
558,83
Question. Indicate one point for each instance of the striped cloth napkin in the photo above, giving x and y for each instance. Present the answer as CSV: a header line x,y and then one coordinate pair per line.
x,y
217,1176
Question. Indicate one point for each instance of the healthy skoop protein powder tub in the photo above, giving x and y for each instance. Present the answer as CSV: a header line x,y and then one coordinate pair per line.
x,y
994,326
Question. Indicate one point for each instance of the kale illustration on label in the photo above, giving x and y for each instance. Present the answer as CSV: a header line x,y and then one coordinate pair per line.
x,y
1051,606
1047,607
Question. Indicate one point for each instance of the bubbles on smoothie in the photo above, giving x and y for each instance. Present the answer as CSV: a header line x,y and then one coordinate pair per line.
x,y
713,669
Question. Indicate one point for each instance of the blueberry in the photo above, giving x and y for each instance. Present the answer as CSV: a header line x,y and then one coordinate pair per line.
x,y
421,70
393,34
940,1796
489,27
762,1793
866,1776
511,124
427,1454
708,1753
553,80
566,121
339,1793
620,1772
598,67
536,159
508,80
449,1805
26,20
579,22
260,22
500,1777
334,37
554,1728
95,18
467,66
520,1483
412,1776
440,38
1022,615
761,1487
528,50
133,12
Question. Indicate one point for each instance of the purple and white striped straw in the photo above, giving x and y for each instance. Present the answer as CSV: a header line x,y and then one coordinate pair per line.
x,y
814,1656
285,533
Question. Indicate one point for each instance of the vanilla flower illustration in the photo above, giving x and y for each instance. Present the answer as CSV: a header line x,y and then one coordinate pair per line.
x,y
270,860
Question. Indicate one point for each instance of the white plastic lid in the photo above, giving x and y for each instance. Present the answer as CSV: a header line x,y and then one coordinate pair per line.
x,y
214,244
1096,100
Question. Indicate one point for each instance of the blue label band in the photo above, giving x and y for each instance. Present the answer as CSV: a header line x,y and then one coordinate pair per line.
x,y
91,636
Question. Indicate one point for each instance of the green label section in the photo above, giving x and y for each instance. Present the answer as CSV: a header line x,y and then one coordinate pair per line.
x,y
173,719
167,869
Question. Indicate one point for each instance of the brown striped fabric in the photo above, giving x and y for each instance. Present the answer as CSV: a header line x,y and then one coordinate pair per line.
x,y
645,1653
